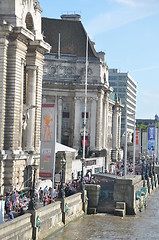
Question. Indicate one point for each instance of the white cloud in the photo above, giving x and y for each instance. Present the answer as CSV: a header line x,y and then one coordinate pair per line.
x,y
125,12
130,3
144,69
137,3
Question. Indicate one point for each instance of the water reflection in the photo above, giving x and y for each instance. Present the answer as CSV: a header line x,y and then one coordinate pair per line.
x,y
96,227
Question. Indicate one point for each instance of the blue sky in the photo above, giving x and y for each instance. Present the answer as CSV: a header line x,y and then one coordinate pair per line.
x,y
128,32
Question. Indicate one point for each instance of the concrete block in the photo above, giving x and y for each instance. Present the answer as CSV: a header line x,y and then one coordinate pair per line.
x,y
119,212
92,211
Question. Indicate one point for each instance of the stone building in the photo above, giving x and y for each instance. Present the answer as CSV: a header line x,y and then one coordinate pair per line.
x,y
22,50
64,79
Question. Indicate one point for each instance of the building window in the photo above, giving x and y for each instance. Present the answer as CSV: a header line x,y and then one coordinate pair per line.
x,y
65,114
83,114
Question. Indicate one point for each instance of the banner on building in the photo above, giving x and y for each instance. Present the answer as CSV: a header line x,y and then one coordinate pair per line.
x,y
137,137
151,140
144,141
137,145
47,140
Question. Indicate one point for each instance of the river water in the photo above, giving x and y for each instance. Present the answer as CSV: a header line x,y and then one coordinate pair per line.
x,y
145,225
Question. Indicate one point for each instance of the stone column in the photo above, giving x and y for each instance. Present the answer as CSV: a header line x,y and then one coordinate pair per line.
x,y
99,122
16,52
119,129
115,129
3,74
106,120
59,117
21,103
104,124
93,124
77,121
31,104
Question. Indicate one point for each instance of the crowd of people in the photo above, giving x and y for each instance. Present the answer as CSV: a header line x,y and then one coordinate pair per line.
x,y
16,203
45,195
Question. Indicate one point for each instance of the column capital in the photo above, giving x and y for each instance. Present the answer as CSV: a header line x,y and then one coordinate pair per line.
x,y
78,98
60,98
94,99
31,67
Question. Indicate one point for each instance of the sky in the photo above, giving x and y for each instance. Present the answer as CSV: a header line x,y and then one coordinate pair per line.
x,y
128,32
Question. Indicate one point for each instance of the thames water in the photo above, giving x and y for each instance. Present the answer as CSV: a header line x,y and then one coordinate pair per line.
x,y
144,225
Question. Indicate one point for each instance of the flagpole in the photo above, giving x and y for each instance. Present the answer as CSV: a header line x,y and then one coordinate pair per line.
x,y
85,100
125,162
54,148
59,46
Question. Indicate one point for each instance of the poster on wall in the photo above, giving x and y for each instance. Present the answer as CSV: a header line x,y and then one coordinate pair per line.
x,y
47,140
151,140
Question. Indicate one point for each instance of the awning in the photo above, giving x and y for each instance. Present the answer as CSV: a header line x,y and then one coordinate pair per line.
x,y
62,148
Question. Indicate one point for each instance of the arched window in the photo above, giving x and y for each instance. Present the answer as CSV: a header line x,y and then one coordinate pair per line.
x,y
29,22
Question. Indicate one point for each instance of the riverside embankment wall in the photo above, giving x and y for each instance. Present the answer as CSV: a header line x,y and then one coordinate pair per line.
x,y
43,221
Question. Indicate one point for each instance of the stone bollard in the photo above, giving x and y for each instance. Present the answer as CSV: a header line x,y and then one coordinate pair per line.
x,y
84,201
149,185
93,197
156,180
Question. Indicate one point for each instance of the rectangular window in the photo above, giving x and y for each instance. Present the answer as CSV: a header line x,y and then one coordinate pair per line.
x,y
83,115
65,114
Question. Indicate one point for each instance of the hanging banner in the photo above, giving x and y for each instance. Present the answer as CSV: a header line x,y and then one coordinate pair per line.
x,y
151,140
144,141
137,137
137,145
47,140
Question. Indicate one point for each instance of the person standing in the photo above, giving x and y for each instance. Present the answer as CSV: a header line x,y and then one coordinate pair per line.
x,y
46,190
44,199
10,215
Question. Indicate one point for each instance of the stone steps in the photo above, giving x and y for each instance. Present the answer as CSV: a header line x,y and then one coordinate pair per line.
x,y
120,209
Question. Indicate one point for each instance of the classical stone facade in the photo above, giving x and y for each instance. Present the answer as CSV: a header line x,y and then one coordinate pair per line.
x,y
22,52
64,80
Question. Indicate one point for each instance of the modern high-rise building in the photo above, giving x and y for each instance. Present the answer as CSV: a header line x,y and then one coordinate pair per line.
x,y
126,89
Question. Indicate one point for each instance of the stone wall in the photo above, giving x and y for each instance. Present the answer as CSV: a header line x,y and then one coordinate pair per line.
x,y
18,229
125,191
131,190
51,217
72,208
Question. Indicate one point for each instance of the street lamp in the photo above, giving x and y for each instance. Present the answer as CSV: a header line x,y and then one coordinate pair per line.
x,y
143,163
32,203
134,139
82,174
62,190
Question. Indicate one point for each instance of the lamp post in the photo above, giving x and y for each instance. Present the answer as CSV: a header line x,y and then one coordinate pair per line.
x,y
134,145
32,203
125,163
82,174
153,168
143,162
62,190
